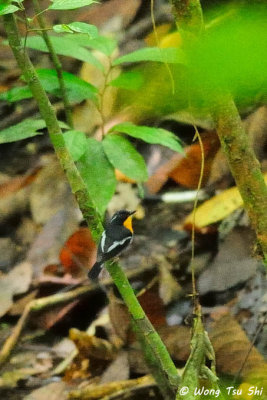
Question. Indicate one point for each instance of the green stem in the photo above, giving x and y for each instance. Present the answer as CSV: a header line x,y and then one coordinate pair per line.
x,y
144,326
241,158
86,204
244,165
48,114
56,61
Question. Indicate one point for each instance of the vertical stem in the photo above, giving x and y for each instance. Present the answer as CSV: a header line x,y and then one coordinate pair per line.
x,y
56,61
48,114
161,355
242,160
244,165
156,347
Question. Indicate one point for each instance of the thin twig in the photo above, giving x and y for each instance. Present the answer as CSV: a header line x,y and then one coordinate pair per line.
x,y
194,290
87,206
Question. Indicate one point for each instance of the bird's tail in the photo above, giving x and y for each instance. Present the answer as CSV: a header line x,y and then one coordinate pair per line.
x,y
95,271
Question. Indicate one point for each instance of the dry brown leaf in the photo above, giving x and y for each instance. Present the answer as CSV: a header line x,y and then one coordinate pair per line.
x,y
50,191
216,208
176,339
53,391
17,183
17,281
46,247
231,346
185,170
14,204
151,303
232,264
118,370
169,288
94,354
49,318
102,14
94,392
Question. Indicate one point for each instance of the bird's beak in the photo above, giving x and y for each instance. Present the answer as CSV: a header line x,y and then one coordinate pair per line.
x,y
132,212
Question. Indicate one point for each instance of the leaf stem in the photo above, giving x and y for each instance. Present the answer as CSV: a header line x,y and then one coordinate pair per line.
x,y
86,204
56,61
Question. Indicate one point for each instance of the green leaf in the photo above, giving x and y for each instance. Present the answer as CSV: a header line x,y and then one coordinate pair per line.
x,y
150,135
168,55
16,94
25,129
7,8
130,80
123,156
77,89
101,43
79,27
98,174
62,28
76,143
65,47
70,4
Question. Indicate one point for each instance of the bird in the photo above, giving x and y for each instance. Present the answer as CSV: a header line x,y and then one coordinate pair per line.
x,y
115,238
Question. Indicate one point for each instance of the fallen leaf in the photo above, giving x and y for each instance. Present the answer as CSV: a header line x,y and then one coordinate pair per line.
x,y
187,172
169,288
19,305
17,281
94,354
17,183
45,201
118,370
102,14
53,391
216,208
94,392
79,252
8,252
151,303
176,339
47,319
184,170
15,203
232,265
46,247
231,346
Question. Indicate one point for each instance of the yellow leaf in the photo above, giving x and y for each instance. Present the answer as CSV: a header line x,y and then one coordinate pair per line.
x,y
217,208
171,40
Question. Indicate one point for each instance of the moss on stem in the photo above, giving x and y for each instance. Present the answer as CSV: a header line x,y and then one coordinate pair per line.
x,y
161,355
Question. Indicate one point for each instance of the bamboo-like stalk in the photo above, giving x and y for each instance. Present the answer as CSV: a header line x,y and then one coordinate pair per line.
x,y
87,207
56,61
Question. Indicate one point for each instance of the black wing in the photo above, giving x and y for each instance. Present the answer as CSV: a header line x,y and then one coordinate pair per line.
x,y
109,248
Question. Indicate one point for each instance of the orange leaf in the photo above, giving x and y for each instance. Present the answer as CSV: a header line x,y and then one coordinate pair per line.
x,y
79,251
187,172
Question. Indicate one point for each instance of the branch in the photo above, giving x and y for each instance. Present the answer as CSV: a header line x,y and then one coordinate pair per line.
x,y
242,160
188,16
48,114
87,206
56,61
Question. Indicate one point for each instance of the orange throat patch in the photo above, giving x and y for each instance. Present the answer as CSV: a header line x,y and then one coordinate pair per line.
x,y
128,223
